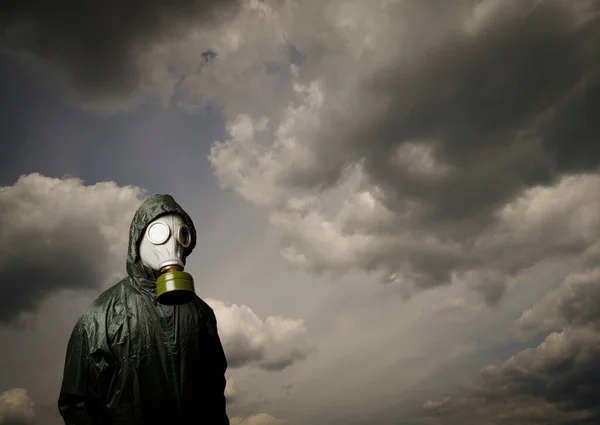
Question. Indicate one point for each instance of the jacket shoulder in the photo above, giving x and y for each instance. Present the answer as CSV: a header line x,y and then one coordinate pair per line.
x,y
92,324
108,296
203,306
206,314
95,315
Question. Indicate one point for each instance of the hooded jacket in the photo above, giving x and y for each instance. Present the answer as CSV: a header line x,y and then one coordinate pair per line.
x,y
131,360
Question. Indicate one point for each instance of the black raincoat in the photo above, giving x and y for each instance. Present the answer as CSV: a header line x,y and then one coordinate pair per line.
x,y
131,360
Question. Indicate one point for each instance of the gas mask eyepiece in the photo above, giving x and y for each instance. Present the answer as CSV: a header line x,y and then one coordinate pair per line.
x,y
162,249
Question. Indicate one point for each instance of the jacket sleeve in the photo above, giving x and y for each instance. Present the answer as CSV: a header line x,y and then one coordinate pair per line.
x,y
75,399
216,392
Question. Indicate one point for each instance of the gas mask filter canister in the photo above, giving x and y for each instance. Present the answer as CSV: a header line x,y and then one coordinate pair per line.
x,y
162,248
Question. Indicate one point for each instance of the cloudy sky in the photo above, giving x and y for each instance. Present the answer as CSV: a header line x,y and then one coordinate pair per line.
x,y
397,201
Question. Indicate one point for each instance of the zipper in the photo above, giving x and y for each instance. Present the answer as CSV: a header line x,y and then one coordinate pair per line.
x,y
170,355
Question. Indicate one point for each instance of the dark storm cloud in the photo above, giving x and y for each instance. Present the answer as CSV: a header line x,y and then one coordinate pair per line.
x,y
456,132
563,371
505,108
98,44
70,256
59,234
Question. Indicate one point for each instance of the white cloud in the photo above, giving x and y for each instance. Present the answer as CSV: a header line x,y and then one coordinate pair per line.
x,y
271,344
433,405
16,408
258,419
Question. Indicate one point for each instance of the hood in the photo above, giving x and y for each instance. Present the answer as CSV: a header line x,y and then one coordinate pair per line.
x,y
152,208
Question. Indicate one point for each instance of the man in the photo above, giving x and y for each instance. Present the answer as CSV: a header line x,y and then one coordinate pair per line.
x,y
132,359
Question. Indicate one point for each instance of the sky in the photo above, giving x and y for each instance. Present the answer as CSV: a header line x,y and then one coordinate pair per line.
x,y
397,201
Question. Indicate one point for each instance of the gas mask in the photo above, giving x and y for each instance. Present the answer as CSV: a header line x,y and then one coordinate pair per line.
x,y
161,249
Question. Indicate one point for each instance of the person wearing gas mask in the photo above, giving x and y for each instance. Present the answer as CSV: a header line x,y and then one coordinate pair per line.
x,y
147,350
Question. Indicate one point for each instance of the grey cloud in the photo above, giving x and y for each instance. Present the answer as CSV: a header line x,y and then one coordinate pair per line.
x,y
460,310
449,137
556,382
59,234
516,410
97,45
574,304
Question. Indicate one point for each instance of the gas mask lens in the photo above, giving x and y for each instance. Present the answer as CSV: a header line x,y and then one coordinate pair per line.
x,y
158,233
183,236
